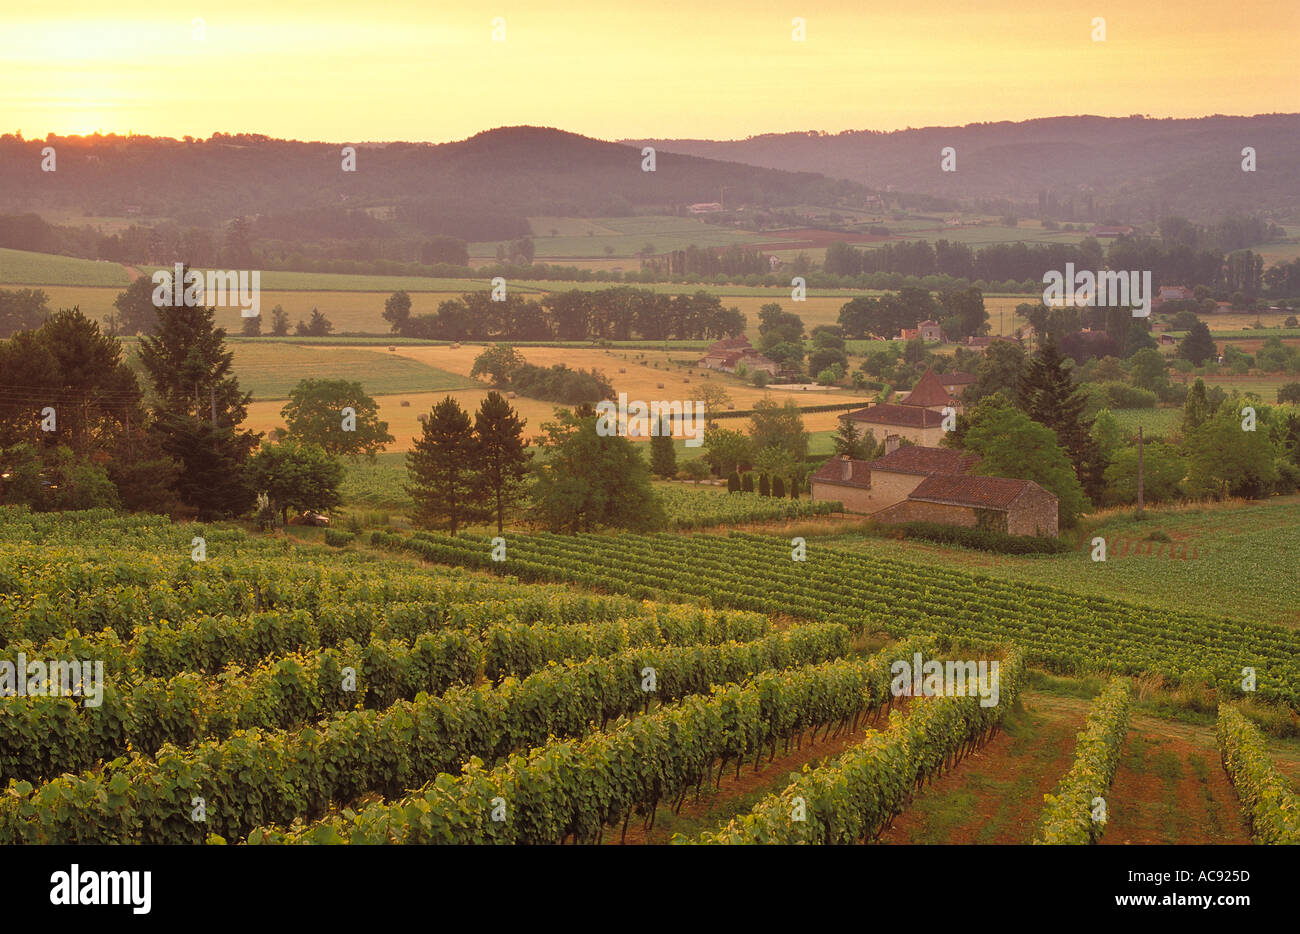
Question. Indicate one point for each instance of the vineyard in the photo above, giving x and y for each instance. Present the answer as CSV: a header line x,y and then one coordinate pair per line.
x,y
688,510
1058,630
263,692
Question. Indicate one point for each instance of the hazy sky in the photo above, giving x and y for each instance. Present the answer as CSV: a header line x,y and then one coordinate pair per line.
x,y
429,70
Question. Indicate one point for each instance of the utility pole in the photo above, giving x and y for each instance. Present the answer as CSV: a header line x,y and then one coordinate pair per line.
x,y
1139,509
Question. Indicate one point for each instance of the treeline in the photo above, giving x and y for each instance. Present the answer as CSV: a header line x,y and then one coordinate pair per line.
x,y
620,313
1175,263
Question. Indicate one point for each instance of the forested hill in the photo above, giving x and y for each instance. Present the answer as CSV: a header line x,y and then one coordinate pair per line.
x,y
476,189
1134,169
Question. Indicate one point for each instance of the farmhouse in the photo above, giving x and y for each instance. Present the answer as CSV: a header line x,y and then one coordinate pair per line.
x,y
926,330
728,355
1001,504
913,422
956,382
913,483
931,393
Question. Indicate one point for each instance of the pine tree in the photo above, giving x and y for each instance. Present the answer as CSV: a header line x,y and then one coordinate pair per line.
x,y
1048,394
500,454
849,441
440,469
764,485
199,409
663,459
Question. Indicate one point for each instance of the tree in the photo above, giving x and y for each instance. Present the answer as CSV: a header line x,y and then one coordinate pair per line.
x,y
499,363
135,308
1198,345
726,450
1001,370
696,469
778,488
589,480
780,425
733,482
1049,396
663,458
440,468
747,483
314,414
1147,370
715,399
279,321
296,475
397,311
1224,460
849,442
1163,471
1196,410
764,485
199,409
774,461
252,327
501,455
1288,393
319,326
1010,444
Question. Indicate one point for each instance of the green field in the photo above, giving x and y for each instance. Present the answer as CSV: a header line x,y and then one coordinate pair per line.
x,y
578,237
1245,561
21,268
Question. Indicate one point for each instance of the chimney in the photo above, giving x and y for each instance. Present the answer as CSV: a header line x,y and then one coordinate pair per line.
x,y
847,468
891,444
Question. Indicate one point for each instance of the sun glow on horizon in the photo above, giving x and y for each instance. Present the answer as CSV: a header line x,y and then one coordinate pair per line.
x,y
406,71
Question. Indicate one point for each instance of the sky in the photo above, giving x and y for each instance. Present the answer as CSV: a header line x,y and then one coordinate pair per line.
x,y
718,69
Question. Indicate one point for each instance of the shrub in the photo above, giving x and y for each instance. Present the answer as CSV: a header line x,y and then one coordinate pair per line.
x,y
982,539
337,538
747,483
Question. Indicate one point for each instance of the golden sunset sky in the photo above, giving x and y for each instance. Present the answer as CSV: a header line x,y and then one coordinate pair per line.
x,y
428,70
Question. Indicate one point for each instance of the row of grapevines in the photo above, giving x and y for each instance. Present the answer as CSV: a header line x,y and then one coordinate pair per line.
x,y
40,737
688,509
1072,814
1058,630
855,798
258,777
1271,806
577,789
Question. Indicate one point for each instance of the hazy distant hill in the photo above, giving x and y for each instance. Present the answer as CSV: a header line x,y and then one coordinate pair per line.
x,y
1134,168
480,188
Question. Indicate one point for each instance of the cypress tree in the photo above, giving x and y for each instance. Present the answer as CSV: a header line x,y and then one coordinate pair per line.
x,y
747,483
764,486
778,488
663,459
733,482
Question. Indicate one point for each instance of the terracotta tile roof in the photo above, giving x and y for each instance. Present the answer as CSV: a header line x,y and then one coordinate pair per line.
x,y
833,471
907,416
918,459
957,379
966,490
928,391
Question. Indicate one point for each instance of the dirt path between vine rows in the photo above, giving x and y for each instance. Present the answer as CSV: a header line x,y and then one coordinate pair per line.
x,y
736,795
